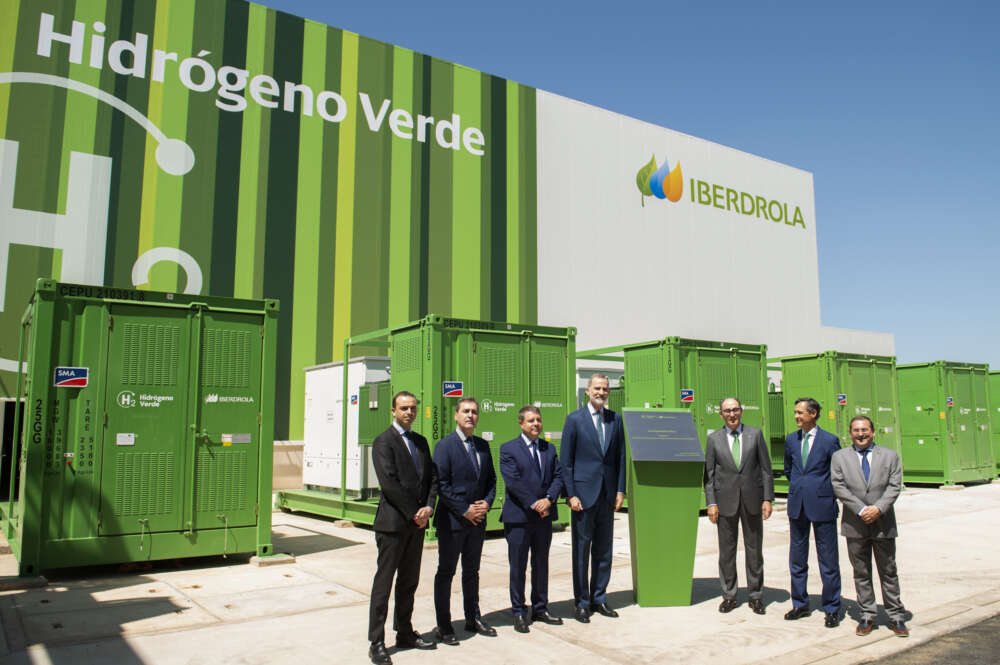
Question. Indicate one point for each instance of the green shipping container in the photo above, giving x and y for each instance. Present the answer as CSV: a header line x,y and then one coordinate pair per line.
x,y
845,385
696,374
440,359
149,427
946,422
994,390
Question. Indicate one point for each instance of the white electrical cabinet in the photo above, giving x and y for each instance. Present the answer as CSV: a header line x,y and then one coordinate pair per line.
x,y
323,453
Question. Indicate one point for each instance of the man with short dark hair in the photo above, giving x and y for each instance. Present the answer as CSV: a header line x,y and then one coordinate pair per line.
x,y
467,485
867,478
593,462
408,480
811,505
739,489
533,480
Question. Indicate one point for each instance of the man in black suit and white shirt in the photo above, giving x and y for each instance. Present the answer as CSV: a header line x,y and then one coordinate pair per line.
x,y
408,480
739,488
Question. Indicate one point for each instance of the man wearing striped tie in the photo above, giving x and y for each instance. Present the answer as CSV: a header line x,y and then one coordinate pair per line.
x,y
739,488
467,485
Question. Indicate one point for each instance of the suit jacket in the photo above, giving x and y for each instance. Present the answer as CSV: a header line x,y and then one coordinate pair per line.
x,y
585,468
809,488
730,487
403,491
458,486
885,478
525,484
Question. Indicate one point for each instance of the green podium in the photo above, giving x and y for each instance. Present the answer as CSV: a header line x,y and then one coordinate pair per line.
x,y
665,493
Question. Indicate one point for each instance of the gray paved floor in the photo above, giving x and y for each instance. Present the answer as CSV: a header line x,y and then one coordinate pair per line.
x,y
228,611
975,645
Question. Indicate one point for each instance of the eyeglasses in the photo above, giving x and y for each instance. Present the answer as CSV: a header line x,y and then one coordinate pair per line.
x,y
731,411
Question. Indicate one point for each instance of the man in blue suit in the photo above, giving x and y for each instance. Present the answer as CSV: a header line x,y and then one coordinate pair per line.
x,y
593,461
811,502
531,473
467,485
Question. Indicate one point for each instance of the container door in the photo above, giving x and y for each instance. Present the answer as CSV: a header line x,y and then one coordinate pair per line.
x,y
750,389
226,415
498,383
885,417
994,402
984,454
859,384
146,440
549,384
645,377
712,382
963,419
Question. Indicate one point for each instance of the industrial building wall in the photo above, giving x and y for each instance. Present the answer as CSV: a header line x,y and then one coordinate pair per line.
x,y
224,148
733,258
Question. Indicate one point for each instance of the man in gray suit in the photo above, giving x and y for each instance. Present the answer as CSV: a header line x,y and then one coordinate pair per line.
x,y
867,478
739,489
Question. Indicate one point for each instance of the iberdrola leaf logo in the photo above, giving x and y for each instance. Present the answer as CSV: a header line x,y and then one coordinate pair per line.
x,y
642,179
662,182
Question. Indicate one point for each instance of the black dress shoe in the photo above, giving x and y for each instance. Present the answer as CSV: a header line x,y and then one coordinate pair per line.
x,y
521,624
832,620
797,613
604,610
728,605
446,636
479,625
378,654
545,617
897,626
581,615
757,606
414,641
865,626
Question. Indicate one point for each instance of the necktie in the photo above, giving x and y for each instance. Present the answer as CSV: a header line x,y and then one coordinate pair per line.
x,y
736,448
805,450
472,455
536,456
600,432
865,467
408,437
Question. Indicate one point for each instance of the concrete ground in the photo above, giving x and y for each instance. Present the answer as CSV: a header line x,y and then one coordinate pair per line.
x,y
229,611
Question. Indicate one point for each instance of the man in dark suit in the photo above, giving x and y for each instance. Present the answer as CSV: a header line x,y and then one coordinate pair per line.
x,y
467,485
867,478
531,473
593,461
408,480
739,489
811,503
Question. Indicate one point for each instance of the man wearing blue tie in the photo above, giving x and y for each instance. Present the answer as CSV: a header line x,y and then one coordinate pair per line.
x,y
867,478
530,470
593,461
811,503
467,485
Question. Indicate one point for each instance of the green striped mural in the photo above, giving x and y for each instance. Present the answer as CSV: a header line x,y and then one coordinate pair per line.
x,y
362,184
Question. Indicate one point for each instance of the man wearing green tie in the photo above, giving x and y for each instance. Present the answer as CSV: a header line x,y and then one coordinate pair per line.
x,y
739,489
811,505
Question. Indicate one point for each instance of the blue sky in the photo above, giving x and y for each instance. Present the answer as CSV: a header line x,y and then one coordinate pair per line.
x,y
893,106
